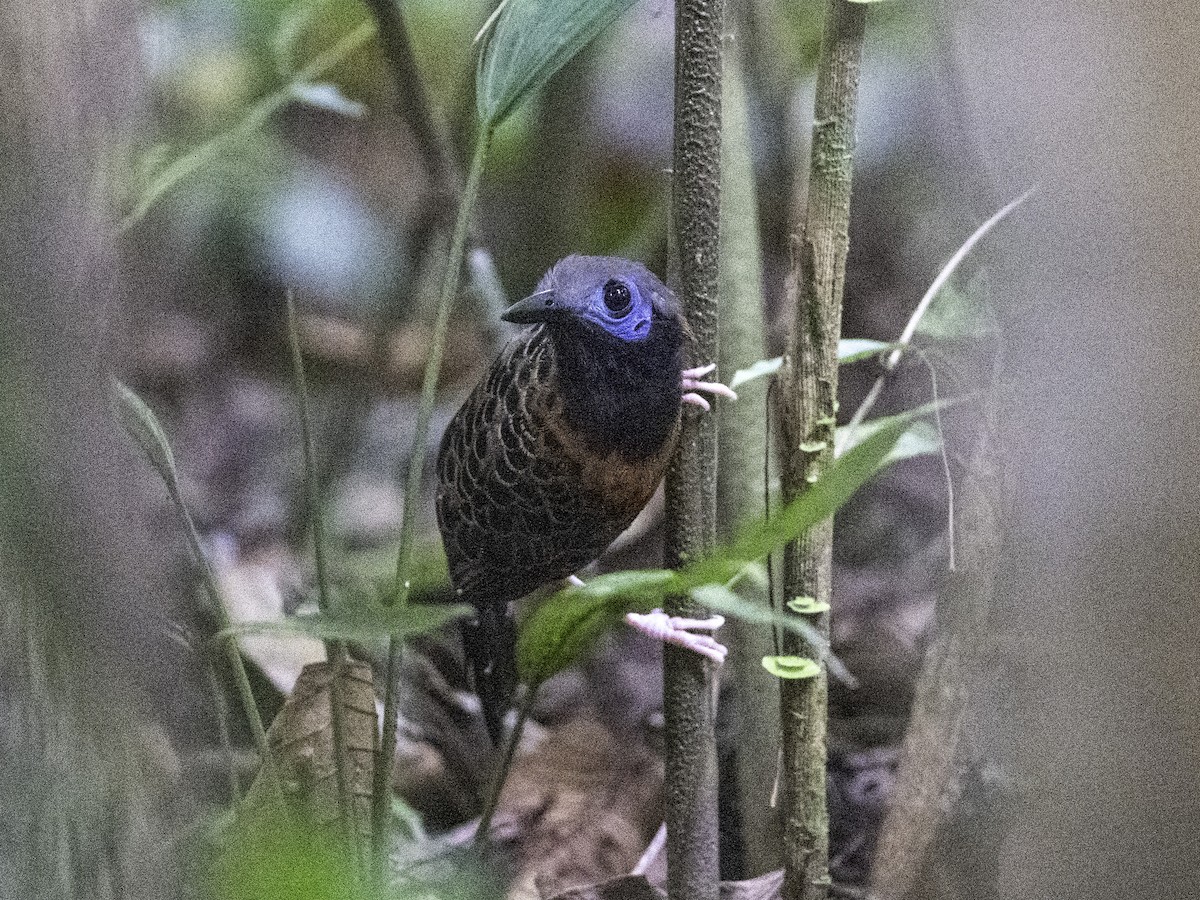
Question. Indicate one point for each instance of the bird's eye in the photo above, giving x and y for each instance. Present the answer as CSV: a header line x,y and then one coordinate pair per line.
x,y
617,298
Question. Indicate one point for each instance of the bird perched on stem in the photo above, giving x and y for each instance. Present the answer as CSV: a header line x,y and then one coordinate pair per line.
x,y
559,447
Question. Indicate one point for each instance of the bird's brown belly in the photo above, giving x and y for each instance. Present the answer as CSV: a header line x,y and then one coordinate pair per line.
x,y
620,485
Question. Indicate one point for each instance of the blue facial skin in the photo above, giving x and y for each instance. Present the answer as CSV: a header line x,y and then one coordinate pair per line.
x,y
618,338
628,322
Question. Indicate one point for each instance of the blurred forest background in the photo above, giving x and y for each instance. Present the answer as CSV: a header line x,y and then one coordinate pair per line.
x,y
166,182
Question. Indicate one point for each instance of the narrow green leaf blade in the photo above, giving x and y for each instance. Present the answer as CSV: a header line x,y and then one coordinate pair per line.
x,y
760,369
530,41
919,439
837,484
143,426
254,118
563,626
960,314
850,350
559,630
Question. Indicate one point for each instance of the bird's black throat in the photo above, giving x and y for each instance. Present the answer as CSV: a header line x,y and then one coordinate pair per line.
x,y
622,396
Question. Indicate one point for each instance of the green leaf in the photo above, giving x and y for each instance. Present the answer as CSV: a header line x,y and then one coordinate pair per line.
x,y
960,314
850,350
807,606
836,485
330,98
760,369
530,41
723,599
143,426
563,626
919,438
791,667
359,615
294,21
254,118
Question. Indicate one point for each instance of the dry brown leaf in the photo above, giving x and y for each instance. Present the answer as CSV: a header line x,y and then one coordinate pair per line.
x,y
583,805
301,740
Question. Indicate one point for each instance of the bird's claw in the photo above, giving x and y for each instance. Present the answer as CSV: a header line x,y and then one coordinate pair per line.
x,y
693,386
678,630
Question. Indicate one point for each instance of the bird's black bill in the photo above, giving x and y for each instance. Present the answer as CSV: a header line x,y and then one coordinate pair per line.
x,y
543,306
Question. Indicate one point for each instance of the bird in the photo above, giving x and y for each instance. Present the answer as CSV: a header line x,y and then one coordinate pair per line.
x,y
558,447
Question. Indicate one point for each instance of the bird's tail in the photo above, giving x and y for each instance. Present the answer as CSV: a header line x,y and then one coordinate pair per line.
x,y
490,642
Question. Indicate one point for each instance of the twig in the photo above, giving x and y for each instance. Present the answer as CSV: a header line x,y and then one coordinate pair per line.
x,y
808,418
335,651
224,621
510,750
690,747
221,712
412,102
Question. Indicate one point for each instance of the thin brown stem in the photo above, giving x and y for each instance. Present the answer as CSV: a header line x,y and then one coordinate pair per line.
x,y
808,400
412,103
335,651
691,759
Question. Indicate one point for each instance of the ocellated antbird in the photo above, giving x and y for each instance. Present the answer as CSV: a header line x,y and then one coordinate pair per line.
x,y
558,448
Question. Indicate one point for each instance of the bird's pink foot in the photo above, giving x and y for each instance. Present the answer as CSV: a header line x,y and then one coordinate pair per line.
x,y
693,387
677,630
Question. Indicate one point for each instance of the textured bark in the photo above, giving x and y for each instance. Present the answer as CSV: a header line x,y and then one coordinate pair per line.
x,y
808,417
691,759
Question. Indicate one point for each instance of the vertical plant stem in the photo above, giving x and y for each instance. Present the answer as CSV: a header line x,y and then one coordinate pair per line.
x,y
385,765
740,479
335,651
221,713
808,417
212,587
416,113
688,696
